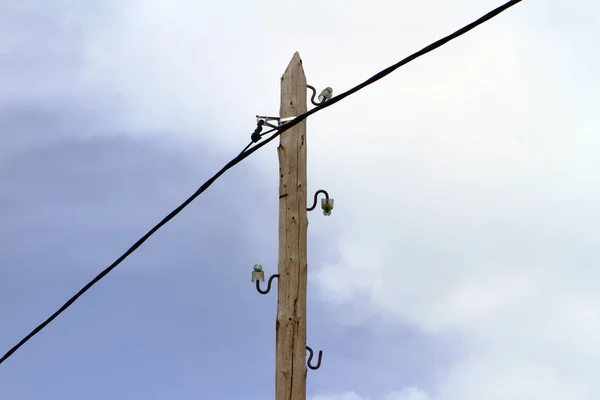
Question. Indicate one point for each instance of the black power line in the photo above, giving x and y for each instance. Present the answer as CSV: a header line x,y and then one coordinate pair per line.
x,y
247,152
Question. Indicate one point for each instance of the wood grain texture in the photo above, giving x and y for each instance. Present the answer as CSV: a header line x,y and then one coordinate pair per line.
x,y
293,226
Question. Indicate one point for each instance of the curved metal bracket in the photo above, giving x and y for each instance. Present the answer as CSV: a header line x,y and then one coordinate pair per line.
x,y
312,98
268,284
326,204
310,357
316,196
327,92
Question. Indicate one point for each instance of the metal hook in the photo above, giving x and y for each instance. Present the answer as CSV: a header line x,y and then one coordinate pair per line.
x,y
310,357
268,284
312,99
326,203
315,200
327,93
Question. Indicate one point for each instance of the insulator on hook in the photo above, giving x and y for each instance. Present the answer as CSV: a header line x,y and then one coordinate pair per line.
x,y
258,275
327,206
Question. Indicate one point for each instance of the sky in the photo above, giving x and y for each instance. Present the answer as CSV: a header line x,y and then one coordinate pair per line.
x,y
459,263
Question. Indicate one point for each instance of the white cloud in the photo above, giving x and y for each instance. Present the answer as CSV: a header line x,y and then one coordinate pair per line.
x,y
466,183
406,394
342,396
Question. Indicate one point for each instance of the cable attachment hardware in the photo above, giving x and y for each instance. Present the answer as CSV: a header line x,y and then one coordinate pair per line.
x,y
273,122
310,357
325,95
260,123
326,203
258,276
256,136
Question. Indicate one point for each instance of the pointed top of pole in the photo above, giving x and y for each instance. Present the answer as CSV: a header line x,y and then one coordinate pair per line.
x,y
293,89
294,66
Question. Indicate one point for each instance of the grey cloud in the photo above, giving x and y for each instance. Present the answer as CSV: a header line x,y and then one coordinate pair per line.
x,y
38,55
68,209
181,311
180,317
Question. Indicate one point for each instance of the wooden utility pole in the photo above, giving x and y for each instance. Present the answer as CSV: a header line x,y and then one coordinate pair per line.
x,y
293,225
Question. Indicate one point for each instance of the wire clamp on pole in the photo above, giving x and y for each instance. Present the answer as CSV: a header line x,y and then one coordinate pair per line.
x,y
256,136
271,121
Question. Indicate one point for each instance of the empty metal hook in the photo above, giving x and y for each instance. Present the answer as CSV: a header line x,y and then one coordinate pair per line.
x,y
310,357
268,284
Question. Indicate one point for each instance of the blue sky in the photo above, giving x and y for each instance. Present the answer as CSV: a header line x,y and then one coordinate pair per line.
x,y
459,262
